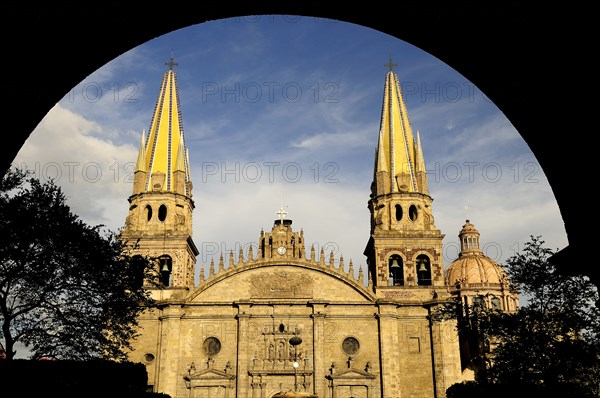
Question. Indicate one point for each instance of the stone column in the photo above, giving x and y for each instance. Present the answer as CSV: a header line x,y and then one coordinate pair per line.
x,y
169,350
255,388
243,356
318,359
389,350
446,355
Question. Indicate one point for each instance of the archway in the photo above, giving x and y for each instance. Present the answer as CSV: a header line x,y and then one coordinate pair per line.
x,y
506,67
292,117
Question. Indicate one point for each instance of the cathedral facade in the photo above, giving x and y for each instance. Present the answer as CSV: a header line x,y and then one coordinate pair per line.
x,y
286,318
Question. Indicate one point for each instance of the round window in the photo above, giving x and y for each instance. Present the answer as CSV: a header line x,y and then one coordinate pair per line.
x,y
211,346
350,345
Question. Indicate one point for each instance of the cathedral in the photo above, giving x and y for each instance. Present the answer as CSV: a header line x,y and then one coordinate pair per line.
x,y
285,318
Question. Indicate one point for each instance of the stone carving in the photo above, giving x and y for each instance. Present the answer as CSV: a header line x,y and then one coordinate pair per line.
x,y
281,284
350,362
397,295
129,223
381,215
271,352
179,219
281,351
428,216
157,180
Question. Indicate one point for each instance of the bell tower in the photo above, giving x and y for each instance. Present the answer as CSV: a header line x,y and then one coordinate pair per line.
x,y
160,211
405,247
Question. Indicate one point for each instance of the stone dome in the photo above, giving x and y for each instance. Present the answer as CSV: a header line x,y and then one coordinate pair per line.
x,y
472,266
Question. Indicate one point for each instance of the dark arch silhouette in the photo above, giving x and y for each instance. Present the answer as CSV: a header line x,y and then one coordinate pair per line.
x,y
517,53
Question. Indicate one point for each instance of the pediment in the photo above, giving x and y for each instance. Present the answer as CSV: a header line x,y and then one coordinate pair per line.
x,y
209,374
353,374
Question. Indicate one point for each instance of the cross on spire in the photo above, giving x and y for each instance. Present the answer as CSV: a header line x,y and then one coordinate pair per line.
x,y
281,213
390,64
171,62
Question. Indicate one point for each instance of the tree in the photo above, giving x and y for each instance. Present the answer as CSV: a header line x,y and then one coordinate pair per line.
x,y
552,342
555,337
67,290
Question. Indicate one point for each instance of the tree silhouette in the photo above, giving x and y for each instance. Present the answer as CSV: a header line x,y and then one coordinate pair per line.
x,y
67,290
550,344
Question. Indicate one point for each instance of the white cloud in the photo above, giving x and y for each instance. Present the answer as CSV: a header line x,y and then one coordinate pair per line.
x,y
337,141
92,171
225,132
505,212
231,215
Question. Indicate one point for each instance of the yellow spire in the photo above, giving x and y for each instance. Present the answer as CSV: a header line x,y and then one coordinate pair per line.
x,y
421,172
140,165
180,163
419,160
187,163
382,163
165,151
397,153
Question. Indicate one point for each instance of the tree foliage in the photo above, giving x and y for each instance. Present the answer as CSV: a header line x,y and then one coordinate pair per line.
x,y
552,340
555,337
67,290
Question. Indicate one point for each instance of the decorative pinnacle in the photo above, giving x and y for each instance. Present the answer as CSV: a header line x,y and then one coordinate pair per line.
x,y
390,64
171,62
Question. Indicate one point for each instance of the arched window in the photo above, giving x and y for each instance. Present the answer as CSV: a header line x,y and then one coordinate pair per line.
x,y
398,212
165,264
162,212
396,268
423,270
149,212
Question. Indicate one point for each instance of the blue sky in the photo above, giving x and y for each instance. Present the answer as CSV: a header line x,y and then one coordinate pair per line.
x,y
286,109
